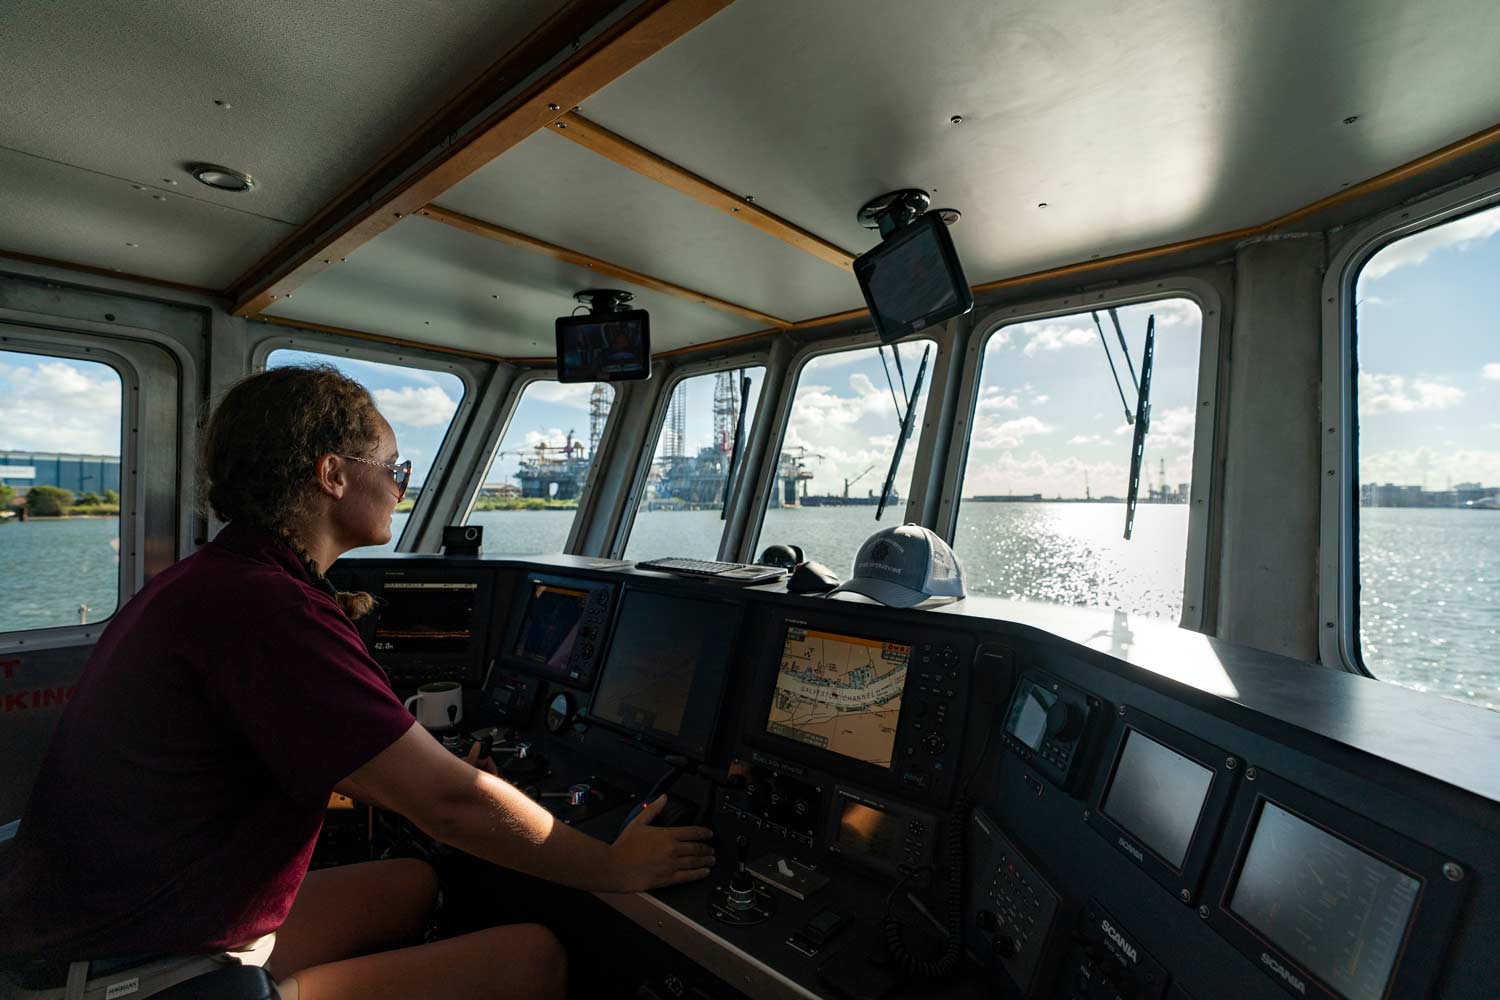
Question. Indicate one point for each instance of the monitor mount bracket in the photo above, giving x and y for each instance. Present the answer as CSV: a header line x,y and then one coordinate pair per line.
x,y
895,210
604,300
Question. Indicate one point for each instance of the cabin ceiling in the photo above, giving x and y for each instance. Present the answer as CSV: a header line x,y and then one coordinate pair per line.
x,y
1137,124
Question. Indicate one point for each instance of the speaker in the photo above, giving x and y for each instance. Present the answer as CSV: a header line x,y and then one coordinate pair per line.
x,y
462,539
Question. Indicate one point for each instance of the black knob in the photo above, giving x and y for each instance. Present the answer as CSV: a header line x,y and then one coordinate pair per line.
x,y
1063,721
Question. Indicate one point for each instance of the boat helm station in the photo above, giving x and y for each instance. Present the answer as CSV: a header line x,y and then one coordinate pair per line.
x,y
1023,476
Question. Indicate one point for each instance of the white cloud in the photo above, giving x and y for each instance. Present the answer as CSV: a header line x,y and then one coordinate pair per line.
x,y
1040,399
413,406
62,406
993,398
1056,337
1380,393
574,394
1491,371
1087,439
1009,434
1174,312
1461,234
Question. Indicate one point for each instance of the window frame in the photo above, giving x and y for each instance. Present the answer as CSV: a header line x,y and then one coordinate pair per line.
x,y
132,523
942,337
442,462
636,493
1338,534
1204,508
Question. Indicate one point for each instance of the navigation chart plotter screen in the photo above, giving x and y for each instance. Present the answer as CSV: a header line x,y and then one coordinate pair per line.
x,y
665,669
840,693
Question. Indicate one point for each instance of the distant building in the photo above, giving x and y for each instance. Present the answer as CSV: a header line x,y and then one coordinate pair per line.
x,y
1393,495
78,473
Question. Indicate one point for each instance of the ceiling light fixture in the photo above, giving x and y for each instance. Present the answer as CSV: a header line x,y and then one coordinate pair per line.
x,y
221,178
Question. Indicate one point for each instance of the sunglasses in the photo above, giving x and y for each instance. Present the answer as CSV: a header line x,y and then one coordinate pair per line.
x,y
401,471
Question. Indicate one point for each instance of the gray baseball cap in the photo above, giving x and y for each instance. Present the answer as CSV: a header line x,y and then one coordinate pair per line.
x,y
902,567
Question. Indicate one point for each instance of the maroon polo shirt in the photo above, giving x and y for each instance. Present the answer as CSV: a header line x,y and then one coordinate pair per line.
x,y
186,784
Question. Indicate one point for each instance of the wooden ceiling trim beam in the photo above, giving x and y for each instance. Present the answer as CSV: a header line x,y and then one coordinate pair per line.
x,y
510,237
461,141
596,137
381,338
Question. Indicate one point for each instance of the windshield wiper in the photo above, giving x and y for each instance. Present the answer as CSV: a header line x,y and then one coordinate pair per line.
x,y
1129,418
734,452
906,426
1142,425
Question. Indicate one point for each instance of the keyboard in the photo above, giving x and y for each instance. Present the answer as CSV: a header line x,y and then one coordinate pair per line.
x,y
746,573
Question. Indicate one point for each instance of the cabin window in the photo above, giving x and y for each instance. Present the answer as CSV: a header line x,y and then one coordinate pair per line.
x,y
60,448
1427,348
684,495
529,495
418,403
1043,496
837,449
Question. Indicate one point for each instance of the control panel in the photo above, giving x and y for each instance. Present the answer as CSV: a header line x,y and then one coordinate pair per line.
x,y
1107,962
1049,724
780,798
927,752
1011,909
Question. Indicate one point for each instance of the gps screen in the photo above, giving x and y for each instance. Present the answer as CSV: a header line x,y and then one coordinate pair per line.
x,y
665,668
1340,912
839,693
551,627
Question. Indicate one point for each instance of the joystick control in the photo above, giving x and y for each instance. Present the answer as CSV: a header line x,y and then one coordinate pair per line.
x,y
576,795
523,761
744,899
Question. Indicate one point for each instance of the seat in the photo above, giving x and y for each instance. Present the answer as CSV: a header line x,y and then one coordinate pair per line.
x,y
233,982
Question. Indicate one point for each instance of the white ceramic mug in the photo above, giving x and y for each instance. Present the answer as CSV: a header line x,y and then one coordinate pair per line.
x,y
440,704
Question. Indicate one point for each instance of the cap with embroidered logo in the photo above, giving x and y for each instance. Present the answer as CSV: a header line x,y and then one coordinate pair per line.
x,y
904,566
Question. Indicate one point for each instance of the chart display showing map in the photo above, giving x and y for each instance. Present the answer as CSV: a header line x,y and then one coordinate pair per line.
x,y
839,693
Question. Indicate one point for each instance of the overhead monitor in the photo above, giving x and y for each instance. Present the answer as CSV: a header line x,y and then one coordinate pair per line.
x,y
839,693
604,347
1331,907
664,672
1157,795
913,279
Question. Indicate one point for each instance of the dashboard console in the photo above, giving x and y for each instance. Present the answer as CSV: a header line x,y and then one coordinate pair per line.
x,y
966,803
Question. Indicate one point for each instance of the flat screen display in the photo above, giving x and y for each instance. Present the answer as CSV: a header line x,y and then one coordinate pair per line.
x,y
550,627
418,617
1028,714
1157,795
869,832
608,347
664,672
840,693
1328,905
913,279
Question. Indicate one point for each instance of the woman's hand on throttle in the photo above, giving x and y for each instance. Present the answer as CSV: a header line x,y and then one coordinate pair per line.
x,y
647,857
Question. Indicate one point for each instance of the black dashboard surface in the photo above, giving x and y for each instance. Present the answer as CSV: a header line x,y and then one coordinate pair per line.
x,y
1009,799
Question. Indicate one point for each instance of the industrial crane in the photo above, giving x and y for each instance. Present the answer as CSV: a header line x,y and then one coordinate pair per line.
x,y
850,482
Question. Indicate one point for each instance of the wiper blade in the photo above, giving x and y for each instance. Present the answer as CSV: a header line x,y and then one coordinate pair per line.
x,y
906,425
734,452
1142,425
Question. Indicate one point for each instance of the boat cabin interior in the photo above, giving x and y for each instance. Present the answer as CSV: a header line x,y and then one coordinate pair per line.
x,y
1174,320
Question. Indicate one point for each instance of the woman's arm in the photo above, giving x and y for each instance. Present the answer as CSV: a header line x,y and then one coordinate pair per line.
x,y
491,819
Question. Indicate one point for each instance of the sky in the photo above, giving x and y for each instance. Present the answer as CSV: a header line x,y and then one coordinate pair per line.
x,y
1427,324
1428,344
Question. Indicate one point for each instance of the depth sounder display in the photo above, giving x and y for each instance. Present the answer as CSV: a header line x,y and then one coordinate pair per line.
x,y
839,693
1336,910
433,616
